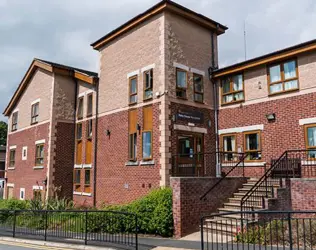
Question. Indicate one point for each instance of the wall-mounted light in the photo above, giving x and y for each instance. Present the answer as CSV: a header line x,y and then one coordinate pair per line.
x,y
45,182
259,85
108,132
174,118
271,117
209,123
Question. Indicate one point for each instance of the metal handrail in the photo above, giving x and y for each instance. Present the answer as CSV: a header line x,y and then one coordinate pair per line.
x,y
242,160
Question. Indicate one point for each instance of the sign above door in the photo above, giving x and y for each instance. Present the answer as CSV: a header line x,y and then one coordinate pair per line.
x,y
190,116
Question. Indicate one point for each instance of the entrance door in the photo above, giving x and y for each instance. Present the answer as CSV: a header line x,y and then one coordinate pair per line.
x,y
190,155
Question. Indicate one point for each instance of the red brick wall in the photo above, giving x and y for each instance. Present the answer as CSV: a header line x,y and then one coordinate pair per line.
x,y
24,176
187,206
64,160
303,193
283,134
117,183
209,138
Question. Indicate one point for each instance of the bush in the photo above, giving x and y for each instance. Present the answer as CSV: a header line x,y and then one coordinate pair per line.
x,y
154,212
13,204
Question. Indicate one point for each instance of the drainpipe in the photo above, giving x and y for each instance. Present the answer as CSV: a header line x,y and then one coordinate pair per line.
x,y
95,145
75,117
211,69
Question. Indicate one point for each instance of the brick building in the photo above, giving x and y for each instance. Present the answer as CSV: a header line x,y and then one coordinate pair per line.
x,y
40,146
158,104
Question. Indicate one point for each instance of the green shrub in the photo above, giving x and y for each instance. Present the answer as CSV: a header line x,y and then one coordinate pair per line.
x,y
13,204
154,213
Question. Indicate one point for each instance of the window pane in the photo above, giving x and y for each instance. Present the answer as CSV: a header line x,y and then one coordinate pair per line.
x,y
90,100
226,85
80,108
252,141
148,79
198,97
227,98
275,73
239,96
133,86
289,70
291,85
276,88
146,145
229,143
311,137
133,99
181,93
148,94
87,177
198,83
181,79
237,83
79,131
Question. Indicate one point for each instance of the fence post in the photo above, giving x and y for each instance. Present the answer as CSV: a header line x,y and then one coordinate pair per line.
x,y
86,228
243,165
14,223
46,214
136,233
290,230
202,234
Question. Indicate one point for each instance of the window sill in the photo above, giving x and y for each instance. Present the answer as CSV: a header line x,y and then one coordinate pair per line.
x,y
148,99
86,194
232,103
147,163
132,104
246,164
182,98
87,166
77,193
13,130
78,166
11,168
33,123
38,167
131,163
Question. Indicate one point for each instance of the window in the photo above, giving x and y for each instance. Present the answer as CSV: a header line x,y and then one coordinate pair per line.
x,y
283,77
15,121
232,89
132,135
22,193
87,188
12,158
79,144
9,193
39,157
198,87
133,90
229,147
310,138
37,194
24,153
253,145
147,132
80,108
77,174
89,143
181,89
90,105
35,112
148,84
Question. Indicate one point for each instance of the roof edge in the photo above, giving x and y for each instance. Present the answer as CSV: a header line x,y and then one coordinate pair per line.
x,y
267,58
154,10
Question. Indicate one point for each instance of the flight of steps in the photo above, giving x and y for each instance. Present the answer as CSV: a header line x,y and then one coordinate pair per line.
x,y
230,224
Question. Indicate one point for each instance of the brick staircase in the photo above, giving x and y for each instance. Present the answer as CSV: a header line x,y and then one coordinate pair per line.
x,y
229,224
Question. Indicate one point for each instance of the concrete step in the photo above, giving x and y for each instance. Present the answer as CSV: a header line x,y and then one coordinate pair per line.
x,y
237,205
257,190
254,196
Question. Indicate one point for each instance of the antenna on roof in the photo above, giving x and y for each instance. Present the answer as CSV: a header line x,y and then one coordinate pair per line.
x,y
245,40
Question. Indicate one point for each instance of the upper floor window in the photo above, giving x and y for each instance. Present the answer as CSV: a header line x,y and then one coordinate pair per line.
x,y
80,108
147,132
79,143
90,105
133,90
310,138
198,87
35,113
252,142
232,89
14,121
148,84
39,157
12,158
283,77
181,88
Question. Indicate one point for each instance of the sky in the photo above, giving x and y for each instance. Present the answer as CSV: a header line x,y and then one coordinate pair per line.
x,y
62,30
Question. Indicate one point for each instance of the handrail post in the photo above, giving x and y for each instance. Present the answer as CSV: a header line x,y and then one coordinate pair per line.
x,y
14,223
243,164
290,230
86,228
45,233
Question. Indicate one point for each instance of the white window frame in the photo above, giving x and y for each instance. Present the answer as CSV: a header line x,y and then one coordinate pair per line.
x,y
22,190
24,158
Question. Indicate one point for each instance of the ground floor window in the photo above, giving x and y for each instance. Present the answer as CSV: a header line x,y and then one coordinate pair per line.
x,y
310,138
87,187
9,193
22,193
77,173
39,160
37,194
252,141
133,147
228,146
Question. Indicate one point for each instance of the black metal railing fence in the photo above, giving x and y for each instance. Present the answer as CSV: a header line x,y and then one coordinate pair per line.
x,y
259,230
88,227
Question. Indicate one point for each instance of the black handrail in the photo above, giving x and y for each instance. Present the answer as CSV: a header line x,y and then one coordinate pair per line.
x,y
262,182
241,160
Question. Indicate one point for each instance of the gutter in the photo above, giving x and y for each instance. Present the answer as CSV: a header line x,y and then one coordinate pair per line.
x,y
75,129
